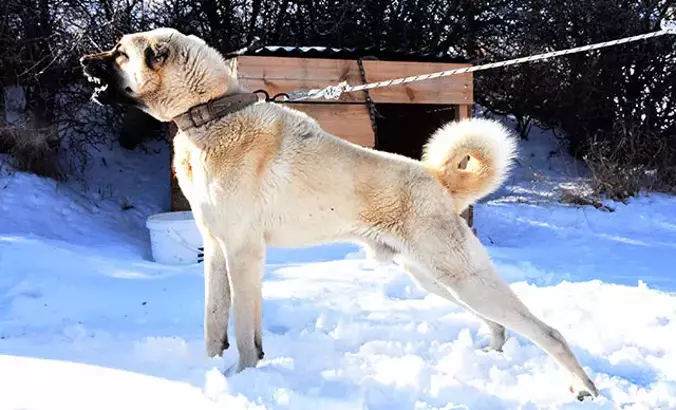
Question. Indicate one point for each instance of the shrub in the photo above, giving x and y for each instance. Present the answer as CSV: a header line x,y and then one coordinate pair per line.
x,y
632,160
30,152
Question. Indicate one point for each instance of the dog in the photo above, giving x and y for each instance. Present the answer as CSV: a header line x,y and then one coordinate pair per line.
x,y
258,174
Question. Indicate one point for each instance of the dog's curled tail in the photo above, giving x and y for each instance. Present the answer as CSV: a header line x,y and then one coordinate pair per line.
x,y
491,149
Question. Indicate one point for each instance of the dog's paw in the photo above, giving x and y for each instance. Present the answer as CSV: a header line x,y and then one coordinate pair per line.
x,y
215,348
489,349
583,394
230,371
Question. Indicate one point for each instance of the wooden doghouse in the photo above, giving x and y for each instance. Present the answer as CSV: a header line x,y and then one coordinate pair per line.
x,y
396,119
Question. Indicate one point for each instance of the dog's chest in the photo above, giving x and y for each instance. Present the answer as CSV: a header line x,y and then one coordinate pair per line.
x,y
187,164
181,161
199,169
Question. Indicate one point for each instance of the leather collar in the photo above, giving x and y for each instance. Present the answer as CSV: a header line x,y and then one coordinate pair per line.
x,y
213,110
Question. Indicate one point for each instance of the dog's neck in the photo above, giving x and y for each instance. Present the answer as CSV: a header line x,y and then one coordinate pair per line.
x,y
214,109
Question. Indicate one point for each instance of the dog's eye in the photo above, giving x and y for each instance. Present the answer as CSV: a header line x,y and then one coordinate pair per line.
x,y
160,58
156,57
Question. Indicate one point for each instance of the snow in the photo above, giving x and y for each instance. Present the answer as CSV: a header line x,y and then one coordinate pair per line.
x,y
87,320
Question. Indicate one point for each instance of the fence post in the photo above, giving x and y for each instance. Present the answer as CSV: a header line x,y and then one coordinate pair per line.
x,y
465,111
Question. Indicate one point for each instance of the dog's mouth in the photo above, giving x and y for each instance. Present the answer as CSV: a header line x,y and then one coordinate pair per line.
x,y
108,86
101,94
109,92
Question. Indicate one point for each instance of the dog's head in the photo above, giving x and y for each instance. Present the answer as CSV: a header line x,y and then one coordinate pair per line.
x,y
162,72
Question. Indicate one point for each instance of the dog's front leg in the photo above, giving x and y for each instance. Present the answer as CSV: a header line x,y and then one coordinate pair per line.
x,y
245,267
217,298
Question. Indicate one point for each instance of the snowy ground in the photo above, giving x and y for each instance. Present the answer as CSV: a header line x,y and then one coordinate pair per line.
x,y
87,321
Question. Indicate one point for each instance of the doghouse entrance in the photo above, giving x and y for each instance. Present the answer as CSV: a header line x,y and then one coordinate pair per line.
x,y
405,128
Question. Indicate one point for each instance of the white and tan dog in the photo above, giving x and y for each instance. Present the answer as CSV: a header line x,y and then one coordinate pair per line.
x,y
258,174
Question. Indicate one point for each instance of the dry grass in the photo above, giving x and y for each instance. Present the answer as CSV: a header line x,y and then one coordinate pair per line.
x,y
30,151
635,161
581,197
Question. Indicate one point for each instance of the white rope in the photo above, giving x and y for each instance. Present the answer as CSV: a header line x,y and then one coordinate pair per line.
x,y
333,92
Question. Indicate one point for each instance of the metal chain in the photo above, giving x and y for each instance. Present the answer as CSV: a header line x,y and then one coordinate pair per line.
x,y
335,91
369,101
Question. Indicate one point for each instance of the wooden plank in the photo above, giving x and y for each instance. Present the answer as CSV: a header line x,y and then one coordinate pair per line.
x,y
465,111
284,74
468,214
347,121
455,89
293,68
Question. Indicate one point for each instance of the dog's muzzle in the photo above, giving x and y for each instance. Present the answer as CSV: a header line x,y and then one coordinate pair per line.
x,y
97,68
94,66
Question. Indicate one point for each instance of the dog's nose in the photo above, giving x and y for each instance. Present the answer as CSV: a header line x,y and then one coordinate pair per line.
x,y
89,60
95,65
85,60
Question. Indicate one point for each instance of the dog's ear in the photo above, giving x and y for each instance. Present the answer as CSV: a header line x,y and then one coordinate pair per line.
x,y
236,53
156,54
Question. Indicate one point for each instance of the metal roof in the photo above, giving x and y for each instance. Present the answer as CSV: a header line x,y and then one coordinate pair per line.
x,y
353,53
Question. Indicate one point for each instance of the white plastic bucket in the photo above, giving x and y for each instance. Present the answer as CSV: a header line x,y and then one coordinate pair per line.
x,y
174,238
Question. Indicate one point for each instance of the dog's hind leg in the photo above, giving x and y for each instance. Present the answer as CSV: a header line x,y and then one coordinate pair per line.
x,y
217,297
379,251
426,282
495,300
461,264
384,253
